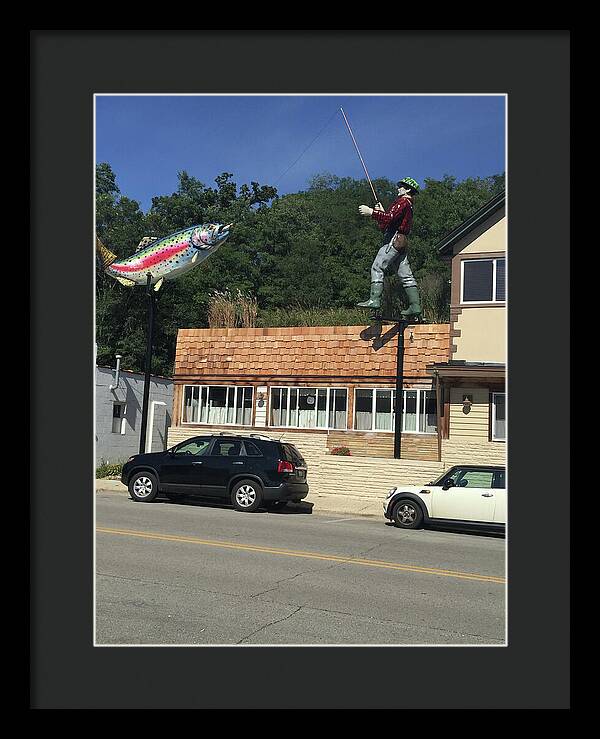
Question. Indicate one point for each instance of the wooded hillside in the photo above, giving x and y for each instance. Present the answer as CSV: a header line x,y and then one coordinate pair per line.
x,y
305,257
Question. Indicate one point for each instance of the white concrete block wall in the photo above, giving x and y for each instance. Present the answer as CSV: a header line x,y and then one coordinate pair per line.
x,y
472,451
113,447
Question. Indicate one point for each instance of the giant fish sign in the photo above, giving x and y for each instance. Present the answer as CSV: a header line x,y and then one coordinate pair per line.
x,y
166,258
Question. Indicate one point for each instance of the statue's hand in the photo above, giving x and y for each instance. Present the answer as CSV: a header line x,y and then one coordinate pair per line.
x,y
364,210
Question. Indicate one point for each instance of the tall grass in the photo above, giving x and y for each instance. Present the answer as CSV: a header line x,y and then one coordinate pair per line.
x,y
232,311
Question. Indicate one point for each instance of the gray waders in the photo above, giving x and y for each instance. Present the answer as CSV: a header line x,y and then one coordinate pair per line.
x,y
386,257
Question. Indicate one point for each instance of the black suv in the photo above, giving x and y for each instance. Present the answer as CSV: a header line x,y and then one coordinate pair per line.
x,y
249,471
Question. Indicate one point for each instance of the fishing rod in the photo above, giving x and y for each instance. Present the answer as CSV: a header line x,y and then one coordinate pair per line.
x,y
360,156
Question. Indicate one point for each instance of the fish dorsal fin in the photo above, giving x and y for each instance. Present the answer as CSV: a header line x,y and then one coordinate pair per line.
x,y
106,256
146,241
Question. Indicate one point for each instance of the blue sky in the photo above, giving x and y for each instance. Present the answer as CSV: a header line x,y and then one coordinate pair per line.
x,y
148,139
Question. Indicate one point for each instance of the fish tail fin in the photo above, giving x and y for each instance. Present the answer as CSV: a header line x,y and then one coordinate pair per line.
x,y
106,256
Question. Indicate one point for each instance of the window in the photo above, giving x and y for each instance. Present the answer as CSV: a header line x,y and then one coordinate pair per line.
x,y
195,447
483,280
499,479
118,418
227,448
499,416
252,450
374,410
309,407
473,478
217,404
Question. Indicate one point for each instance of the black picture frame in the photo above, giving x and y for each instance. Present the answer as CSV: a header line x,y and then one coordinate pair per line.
x,y
67,68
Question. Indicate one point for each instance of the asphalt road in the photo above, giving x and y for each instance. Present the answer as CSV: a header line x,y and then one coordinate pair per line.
x,y
182,574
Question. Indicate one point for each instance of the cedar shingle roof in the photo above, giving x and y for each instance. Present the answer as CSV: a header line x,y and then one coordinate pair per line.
x,y
305,350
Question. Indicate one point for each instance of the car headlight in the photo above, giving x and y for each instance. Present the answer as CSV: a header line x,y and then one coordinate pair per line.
x,y
390,493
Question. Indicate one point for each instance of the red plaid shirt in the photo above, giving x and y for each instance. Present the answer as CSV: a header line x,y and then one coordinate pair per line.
x,y
399,216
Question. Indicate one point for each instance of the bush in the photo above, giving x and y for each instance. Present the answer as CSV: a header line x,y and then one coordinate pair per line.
x,y
109,469
341,451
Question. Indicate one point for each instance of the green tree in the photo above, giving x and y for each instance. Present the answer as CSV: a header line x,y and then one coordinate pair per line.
x,y
305,256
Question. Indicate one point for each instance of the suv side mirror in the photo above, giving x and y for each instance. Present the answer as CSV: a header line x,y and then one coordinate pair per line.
x,y
448,484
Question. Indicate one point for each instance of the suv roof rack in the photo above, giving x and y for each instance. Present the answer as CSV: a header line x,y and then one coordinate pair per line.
x,y
260,436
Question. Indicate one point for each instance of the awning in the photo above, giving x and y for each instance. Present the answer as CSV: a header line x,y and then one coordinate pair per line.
x,y
488,371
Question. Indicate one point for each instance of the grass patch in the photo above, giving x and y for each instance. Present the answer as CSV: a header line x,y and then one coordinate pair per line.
x,y
109,469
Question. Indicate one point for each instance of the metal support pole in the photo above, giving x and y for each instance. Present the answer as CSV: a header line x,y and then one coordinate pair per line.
x,y
438,408
150,336
399,394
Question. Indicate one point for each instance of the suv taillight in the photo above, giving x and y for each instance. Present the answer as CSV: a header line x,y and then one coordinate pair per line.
x,y
285,466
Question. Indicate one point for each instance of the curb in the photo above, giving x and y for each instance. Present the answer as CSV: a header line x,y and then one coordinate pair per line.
x,y
367,507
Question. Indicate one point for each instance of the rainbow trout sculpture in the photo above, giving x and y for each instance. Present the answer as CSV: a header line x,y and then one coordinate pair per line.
x,y
166,258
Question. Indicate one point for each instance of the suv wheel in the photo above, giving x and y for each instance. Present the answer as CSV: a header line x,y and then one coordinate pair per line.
x,y
407,514
143,487
246,496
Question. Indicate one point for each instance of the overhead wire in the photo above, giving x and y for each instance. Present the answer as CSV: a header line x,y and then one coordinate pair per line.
x,y
293,164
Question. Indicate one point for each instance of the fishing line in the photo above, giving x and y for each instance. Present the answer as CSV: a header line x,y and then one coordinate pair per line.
x,y
307,148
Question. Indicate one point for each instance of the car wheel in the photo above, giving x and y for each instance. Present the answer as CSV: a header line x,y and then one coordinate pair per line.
x,y
407,514
143,487
276,505
246,496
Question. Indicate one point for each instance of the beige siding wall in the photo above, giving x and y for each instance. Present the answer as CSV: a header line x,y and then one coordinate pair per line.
x,y
260,411
474,424
491,240
482,334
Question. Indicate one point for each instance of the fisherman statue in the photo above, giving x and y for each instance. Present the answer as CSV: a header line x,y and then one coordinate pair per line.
x,y
396,223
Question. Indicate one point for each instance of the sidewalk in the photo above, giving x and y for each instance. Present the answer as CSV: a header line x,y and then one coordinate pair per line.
x,y
348,505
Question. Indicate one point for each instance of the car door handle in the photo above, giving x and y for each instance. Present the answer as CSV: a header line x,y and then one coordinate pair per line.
x,y
197,462
237,463
487,495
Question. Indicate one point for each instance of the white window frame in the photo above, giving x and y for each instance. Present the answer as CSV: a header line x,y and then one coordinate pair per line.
x,y
123,418
235,406
418,390
327,427
493,301
494,437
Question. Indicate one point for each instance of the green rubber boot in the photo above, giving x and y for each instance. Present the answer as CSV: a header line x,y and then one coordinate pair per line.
x,y
375,300
414,302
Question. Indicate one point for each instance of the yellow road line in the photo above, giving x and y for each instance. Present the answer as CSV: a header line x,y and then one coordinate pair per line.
x,y
308,555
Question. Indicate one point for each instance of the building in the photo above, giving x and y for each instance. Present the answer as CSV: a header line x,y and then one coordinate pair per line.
x,y
119,413
322,388
472,382
310,380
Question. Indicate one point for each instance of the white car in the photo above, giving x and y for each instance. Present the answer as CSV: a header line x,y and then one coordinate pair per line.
x,y
465,495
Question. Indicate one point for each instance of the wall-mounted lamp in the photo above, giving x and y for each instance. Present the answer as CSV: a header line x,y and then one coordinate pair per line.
x,y
467,403
411,338
260,399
